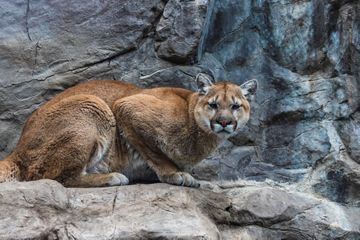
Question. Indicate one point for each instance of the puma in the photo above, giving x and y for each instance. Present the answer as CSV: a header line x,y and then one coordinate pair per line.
x,y
105,133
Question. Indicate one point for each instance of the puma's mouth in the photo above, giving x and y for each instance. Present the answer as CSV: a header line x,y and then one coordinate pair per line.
x,y
223,131
218,129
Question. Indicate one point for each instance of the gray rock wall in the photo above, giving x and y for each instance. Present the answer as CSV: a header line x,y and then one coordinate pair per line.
x,y
305,123
305,120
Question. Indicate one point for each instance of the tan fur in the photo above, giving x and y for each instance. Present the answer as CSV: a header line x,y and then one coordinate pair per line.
x,y
9,171
97,132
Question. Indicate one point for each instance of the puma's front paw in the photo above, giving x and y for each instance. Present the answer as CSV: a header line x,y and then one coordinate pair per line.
x,y
117,179
180,179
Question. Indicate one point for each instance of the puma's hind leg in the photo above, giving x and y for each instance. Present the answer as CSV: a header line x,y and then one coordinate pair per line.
x,y
97,180
69,141
96,172
9,171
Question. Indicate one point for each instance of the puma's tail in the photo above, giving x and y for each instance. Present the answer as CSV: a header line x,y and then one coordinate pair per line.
x,y
9,171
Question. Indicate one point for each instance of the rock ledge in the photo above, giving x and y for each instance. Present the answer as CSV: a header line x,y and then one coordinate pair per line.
x,y
46,210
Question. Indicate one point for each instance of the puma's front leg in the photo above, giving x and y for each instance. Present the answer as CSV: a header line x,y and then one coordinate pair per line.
x,y
164,168
180,179
140,128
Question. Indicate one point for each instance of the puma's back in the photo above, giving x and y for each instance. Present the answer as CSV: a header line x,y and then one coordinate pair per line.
x,y
107,90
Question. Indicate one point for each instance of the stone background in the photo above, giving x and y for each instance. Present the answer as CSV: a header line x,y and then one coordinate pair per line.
x,y
305,125
298,159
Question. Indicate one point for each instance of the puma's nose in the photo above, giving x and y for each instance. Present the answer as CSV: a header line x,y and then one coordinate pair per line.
x,y
223,123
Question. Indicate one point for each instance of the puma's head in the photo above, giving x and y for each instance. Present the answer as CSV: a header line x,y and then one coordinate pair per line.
x,y
223,108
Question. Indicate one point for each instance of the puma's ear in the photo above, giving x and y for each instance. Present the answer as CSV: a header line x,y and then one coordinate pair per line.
x,y
249,88
203,83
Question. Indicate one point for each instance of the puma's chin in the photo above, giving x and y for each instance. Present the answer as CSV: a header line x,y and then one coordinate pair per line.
x,y
223,132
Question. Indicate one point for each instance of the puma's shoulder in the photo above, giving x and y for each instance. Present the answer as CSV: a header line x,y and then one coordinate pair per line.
x,y
180,122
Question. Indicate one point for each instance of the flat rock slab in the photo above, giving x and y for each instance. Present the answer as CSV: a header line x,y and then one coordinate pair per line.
x,y
46,210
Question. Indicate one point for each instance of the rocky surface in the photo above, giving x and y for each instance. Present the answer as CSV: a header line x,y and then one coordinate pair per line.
x,y
179,30
46,210
305,124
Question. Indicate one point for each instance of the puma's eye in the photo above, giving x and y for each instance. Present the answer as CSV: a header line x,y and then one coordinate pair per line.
x,y
235,107
213,105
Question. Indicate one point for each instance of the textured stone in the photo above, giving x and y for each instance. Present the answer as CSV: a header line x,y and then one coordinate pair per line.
x,y
179,30
46,210
349,131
